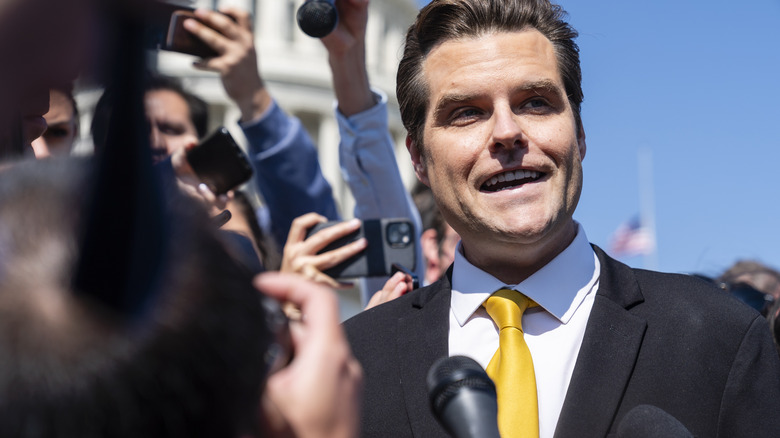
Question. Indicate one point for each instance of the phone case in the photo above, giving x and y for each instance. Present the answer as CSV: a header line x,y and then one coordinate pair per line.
x,y
181,40
219,162
390,240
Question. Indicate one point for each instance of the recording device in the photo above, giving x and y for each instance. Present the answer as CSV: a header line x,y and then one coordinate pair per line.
x,y
646,421
317,18
165,30
463,398
389,241
179,39
219,162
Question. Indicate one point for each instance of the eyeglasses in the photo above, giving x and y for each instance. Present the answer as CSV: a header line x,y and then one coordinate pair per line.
x,y
750,296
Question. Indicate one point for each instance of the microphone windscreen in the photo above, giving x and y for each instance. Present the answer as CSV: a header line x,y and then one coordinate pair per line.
x,y
463,398
317,18
646,421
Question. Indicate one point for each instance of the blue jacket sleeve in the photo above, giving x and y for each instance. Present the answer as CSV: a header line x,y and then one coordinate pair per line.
x,y
287,171
369,166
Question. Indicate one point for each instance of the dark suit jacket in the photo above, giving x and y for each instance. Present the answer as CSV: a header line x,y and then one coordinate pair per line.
x,y
667,340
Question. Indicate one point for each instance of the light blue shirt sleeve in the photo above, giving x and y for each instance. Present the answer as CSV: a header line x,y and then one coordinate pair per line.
x,y
369,166
287,171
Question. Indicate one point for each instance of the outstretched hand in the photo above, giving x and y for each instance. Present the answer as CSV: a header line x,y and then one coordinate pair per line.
x,y
318,393
346,47
300,254
351,29
229,33
397,285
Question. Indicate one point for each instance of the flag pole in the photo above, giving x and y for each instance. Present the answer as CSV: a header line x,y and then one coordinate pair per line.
x,y
647,204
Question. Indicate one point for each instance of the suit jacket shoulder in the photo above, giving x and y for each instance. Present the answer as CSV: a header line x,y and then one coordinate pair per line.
x,y
678,343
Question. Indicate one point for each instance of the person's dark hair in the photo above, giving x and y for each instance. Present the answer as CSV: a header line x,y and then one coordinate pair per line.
x,y
269,253
753,283
199,111
192,366
444,20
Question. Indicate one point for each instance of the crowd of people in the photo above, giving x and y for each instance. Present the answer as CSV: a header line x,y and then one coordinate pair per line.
x,y
136,302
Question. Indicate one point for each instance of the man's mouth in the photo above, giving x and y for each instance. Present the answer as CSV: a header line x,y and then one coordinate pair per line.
x,y
510,179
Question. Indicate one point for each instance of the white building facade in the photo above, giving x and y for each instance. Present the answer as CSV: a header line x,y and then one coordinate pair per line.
x,y
296,72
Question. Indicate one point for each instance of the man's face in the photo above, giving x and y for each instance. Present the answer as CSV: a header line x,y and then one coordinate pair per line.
x,y
61,132
501,150
171,125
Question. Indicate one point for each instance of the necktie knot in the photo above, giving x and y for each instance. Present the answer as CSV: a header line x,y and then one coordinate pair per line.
x,y
506,308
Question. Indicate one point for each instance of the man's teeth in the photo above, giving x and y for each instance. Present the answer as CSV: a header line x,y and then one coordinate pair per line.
x,y
512,176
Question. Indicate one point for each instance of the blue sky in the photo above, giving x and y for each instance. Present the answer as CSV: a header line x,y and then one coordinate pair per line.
x,y
697,84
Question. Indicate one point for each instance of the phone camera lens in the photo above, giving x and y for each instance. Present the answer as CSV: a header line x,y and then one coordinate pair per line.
x,y
399,234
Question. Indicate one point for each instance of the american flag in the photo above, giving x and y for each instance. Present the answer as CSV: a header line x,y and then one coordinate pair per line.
x,y
632,238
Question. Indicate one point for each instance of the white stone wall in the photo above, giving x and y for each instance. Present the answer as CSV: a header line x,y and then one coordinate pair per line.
x,y
296,71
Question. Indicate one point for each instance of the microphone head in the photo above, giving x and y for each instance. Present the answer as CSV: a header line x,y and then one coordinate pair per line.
x,y
448,375
317,18
646,421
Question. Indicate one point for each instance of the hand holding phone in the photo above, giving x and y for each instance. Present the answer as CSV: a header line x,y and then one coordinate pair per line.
x,y
389,241
305,254
219,162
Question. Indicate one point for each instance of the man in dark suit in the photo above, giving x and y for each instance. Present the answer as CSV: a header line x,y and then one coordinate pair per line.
x,y
490,93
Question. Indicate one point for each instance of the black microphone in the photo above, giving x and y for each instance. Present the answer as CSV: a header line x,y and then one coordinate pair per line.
x,y
463,398
646,421
317,18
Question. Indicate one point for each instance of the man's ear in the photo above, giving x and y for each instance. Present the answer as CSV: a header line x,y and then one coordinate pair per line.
x,y
417,160
581,141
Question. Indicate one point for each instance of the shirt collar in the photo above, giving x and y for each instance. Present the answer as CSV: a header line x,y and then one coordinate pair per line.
x,y
559,287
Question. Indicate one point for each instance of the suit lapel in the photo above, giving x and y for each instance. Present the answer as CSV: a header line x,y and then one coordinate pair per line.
x,y
607,357
422,339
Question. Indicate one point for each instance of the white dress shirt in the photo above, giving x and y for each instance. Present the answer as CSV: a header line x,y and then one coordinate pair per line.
x,y
564,289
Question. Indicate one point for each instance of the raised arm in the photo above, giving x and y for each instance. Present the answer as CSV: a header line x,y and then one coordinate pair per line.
x,y
287,168
366,151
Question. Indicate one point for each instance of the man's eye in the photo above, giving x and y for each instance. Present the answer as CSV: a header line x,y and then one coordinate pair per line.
x,y
464,114
536,103
171,130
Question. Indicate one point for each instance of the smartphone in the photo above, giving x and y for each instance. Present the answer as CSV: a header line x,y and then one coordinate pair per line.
x,y
390,241
181,40
165,30
219,162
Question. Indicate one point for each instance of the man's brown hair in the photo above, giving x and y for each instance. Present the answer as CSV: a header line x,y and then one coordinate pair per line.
x,y
444,20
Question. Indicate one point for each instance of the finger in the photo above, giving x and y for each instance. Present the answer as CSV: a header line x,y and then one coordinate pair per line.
x,y
206,193
219,22
310,272
318,303
211,37
301,225
241,16
333,257
328,235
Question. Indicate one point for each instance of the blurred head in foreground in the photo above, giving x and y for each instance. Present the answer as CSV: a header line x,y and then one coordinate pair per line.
x,y
190,364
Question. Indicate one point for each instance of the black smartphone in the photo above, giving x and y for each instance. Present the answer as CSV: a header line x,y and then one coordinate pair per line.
x,y
181,40
219,162
390,240
165,30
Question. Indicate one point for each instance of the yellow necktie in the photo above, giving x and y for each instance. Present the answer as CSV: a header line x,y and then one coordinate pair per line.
x,y
511,368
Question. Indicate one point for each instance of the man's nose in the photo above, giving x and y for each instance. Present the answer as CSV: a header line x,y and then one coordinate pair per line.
x,y
507,129
156,140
